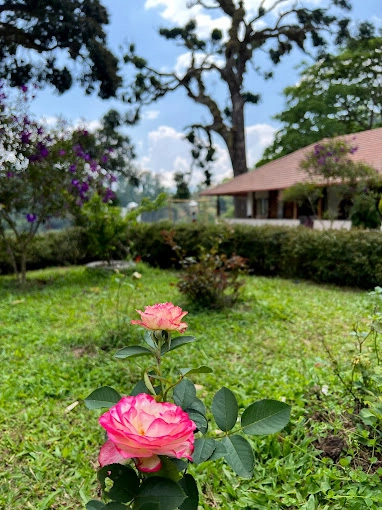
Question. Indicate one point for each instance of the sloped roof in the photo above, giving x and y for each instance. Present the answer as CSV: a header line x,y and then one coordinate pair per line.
x,y
285,171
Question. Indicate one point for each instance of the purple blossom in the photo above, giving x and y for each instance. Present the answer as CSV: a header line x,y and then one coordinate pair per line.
x,y
93,165
73,168
62,152
25,137
113,178
33,158
43,150
87,157
353,150
31,217
24,88
108,195
105,158
84,187
9,174
40,130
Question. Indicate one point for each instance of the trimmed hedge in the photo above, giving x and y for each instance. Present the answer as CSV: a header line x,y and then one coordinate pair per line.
x,y
350,258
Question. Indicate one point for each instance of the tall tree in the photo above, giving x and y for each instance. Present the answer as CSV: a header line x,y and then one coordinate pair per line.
x,y
37,36
338,95
272,29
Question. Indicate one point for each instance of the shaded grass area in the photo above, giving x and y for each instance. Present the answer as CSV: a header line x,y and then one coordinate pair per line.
x,y
58,337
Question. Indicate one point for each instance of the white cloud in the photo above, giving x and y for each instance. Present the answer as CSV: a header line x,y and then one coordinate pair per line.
x,y
258,137
168,152
150,115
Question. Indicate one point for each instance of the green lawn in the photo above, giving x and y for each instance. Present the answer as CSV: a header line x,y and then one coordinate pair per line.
x,y
58,337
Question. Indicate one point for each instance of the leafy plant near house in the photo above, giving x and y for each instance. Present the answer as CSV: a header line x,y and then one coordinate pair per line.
x,y
212,279
162,421
329,166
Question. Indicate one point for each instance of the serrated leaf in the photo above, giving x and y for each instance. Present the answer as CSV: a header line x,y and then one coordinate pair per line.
x,y
200,370
184,393
203,450
125,482
225,409
265,417
177,342
164,493
220,451
94,505
190,488
102,397
132,351
199,419
239,455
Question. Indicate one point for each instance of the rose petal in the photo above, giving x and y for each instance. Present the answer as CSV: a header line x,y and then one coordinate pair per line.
x,y
110,455
148,464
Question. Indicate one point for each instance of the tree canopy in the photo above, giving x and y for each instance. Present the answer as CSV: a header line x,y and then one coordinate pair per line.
x,y
45,40
274,28
340,94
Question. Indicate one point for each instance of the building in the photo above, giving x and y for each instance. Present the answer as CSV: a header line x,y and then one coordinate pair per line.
x,y
262,187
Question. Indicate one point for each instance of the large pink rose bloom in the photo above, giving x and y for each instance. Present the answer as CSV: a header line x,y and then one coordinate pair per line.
x,y
140,428
162,316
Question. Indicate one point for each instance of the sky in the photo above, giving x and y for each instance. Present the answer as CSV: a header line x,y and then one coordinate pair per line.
x,y
159,136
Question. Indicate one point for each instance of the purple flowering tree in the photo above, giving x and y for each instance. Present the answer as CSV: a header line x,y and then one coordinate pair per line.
x,y
329,165
43,174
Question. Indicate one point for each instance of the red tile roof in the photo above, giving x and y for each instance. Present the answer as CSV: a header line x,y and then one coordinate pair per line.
x,y
285,171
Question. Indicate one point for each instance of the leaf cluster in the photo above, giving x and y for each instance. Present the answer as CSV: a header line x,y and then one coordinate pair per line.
x,y
48,30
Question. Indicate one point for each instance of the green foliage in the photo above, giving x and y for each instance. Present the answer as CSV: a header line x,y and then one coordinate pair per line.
x,y
212,280
364,212
105,227
51,30
335,96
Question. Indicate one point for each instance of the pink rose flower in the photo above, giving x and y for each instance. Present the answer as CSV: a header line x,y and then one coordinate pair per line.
x,y
140,428
162,316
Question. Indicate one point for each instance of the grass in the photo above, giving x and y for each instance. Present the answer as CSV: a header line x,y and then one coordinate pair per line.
x,y
58,337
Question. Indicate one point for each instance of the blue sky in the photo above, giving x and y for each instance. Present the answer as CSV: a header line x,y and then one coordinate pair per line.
x,y
159,135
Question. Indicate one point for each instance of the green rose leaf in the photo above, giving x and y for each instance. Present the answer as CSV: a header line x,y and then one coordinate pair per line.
x,y
140,387
190,488
132,351
265,417
102,397
239,455
126,482
159,493
225,409
184,393
198,405
204,448
94,505
200,370
220,451
168,469
199,419
177,342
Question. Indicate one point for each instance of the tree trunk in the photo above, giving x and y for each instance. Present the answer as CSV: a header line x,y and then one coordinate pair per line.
x,y
237,150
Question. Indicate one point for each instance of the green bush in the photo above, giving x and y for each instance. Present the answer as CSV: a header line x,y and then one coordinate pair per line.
x,y
351,258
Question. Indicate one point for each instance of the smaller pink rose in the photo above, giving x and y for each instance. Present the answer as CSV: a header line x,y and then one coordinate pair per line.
x,y
162,316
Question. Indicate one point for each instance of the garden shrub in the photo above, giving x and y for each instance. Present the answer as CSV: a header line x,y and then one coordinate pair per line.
x,y
351,258
212,279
